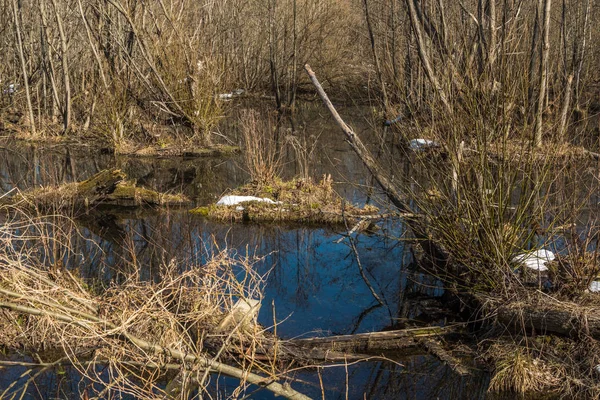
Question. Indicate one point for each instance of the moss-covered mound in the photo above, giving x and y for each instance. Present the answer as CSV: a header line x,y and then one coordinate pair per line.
x,y
107,188
298,200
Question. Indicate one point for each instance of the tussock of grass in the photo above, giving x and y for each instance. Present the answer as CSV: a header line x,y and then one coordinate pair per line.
x,y
298,200
519,372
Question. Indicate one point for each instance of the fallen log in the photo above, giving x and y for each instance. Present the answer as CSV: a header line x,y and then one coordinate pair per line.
x,y
407,342
558,318
107,188
435,252
374,342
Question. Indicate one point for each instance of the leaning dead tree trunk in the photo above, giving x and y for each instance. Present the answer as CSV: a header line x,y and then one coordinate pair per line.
x,y
559,318
432,249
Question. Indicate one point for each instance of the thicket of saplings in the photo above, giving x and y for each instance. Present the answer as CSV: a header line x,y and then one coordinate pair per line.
x,y
504,89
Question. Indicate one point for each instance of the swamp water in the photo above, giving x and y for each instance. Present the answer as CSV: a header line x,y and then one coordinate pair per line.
x,y
313,279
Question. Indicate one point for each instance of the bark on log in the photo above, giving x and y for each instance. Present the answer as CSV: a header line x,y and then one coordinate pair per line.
x,y
106,188
564,319
374,342
416,341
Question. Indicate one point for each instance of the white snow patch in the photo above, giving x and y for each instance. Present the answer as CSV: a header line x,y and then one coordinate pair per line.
x,y
421,144
237,200
229,96
595,288
535,260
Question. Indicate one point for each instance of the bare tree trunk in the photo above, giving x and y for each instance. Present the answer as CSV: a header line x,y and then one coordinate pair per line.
x,y
272,4
580,53
65,67
443,23
292,100
375,56
533,56
92,45
425,58
16,13
543,74
48,62
394,43
491,11
483,45
565,109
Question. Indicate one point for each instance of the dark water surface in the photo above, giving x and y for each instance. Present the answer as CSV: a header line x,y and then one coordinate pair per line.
x,y
313,278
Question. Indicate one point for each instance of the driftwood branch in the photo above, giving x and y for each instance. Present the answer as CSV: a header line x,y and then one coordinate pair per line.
x,y
415,341
414,221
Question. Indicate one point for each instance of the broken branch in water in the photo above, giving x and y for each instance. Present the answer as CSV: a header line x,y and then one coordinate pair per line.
x,y
431,248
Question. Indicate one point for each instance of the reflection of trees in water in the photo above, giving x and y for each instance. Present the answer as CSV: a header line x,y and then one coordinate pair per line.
x,y
418,377
309,275
201,179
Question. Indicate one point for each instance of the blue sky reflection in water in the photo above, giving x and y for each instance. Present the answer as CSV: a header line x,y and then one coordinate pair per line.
x,y
314,282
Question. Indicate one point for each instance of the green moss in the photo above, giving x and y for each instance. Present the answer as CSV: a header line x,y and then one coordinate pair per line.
x,y
204,211
108,187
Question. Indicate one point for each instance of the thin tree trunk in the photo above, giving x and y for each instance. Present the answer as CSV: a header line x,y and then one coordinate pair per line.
x,y
65,67
565,109
581,53
16,13
292,101
443,23
425,58
46,51
543,74
533,56
375,56
483,45
272,4
92,45
491,9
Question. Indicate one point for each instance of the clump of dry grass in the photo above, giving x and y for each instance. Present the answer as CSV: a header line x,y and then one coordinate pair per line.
x,y
518,371
261,152
298,200
136,333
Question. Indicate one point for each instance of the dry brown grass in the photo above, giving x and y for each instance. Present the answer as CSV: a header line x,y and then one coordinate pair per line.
x,y
261,151
135,333
299,200
517,371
